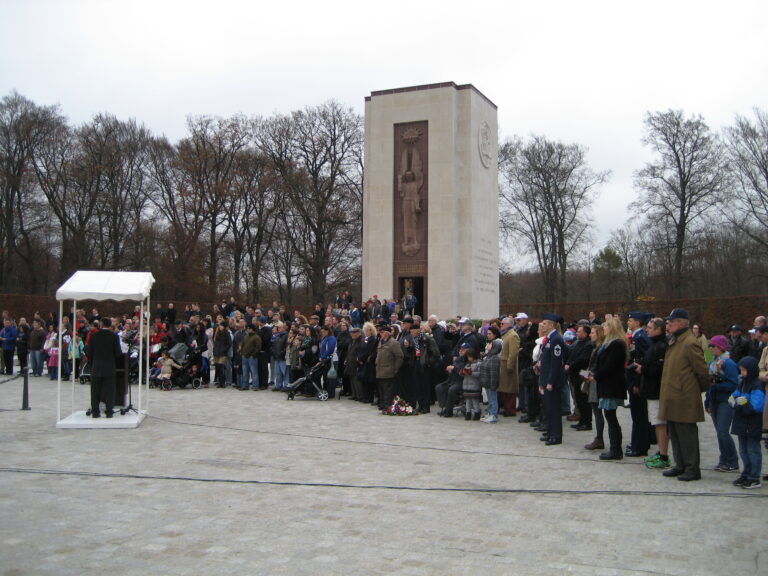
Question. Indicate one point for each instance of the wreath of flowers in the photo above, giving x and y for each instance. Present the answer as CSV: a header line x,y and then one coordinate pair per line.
x,y
400,408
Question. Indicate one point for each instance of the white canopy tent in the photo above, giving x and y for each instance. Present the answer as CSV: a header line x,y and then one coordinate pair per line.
x,y
118,286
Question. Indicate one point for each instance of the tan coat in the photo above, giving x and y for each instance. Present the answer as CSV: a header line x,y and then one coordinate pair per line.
x,y
389,358
510,348
763,367
684,379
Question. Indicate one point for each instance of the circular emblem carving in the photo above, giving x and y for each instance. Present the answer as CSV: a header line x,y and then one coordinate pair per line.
x,y
485,144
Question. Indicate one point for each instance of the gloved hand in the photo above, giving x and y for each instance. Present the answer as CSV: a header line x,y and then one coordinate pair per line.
x,y
731,401
741,400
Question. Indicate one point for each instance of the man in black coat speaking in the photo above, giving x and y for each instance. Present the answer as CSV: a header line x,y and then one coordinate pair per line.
x,y
103,350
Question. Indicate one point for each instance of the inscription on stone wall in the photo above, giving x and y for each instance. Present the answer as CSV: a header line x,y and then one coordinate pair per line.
x,y
486,277
410,269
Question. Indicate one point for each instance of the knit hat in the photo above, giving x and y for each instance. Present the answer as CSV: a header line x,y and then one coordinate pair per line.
x,y
720,341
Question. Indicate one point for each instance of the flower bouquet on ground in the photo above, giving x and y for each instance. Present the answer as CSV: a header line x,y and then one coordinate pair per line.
x,y
400,408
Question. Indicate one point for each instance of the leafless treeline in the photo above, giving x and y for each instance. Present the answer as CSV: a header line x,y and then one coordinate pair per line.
x,y
700,224
273,206
238,206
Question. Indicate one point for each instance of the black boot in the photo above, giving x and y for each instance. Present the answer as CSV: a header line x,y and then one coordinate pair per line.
x,y
614,452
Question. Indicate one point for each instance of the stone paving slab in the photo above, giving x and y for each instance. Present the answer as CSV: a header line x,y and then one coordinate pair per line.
x,y
228,482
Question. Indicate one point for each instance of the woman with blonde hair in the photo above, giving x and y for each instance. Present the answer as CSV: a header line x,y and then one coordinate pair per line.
x,y
611,386
597,335
366,362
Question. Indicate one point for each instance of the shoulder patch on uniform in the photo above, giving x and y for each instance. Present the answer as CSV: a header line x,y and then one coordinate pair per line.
x,y
557,350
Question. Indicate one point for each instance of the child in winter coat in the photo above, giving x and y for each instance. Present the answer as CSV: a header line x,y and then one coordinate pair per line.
x,y
166,365
724,378
748,401
471,386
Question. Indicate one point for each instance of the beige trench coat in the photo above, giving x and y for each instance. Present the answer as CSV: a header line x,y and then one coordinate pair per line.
x,y
510,348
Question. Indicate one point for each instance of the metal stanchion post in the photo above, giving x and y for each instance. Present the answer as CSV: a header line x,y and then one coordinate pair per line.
x,y
25,395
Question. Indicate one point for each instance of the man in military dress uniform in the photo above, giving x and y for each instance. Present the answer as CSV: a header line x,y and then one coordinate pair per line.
x,y
552,376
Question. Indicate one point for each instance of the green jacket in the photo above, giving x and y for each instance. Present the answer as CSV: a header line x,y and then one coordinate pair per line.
x,y
251,345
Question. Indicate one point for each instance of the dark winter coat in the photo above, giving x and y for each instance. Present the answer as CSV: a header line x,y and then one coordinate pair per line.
x,y
578,360
366,359
350,361
609,370
653,366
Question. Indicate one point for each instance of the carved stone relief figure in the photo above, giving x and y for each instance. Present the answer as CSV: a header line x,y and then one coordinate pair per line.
x,y
410,182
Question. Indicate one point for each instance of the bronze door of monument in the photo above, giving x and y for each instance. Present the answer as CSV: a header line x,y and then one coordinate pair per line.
x,y
412,287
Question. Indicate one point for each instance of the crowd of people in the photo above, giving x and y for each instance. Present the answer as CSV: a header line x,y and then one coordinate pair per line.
x,y
664,370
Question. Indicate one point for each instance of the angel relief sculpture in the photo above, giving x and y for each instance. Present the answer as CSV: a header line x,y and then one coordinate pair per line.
x,y
409,183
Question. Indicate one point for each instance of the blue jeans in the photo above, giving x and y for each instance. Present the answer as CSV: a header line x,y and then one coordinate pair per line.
x,y
749,448
250,372
36,362
280,374
722,416
493,401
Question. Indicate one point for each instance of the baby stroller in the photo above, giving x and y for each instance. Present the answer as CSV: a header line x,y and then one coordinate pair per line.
x,y
189,374
306,383
182,377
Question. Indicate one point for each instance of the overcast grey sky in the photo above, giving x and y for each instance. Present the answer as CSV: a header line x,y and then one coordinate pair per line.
x,y
578,71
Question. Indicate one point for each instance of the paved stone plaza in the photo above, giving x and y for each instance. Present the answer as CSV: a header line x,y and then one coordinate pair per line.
x,y
230,482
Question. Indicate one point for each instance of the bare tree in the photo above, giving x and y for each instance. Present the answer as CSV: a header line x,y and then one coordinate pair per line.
x,y
683,183
252,220
206,159
547,191
747,145
316,151
68,169
23,127
283,268
632,245
183,212
120,156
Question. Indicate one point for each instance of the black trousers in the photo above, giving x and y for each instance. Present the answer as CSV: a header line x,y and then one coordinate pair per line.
x,y
684,437
448,393
641,440
582,403
8,360
534,399
23,354
614,430
423,390
102,386
387,388
263,369
554,417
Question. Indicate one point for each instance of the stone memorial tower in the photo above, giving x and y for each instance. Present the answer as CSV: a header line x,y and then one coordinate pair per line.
x,y
431,201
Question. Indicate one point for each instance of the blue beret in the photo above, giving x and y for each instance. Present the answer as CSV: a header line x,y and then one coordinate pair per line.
x,y
553,317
